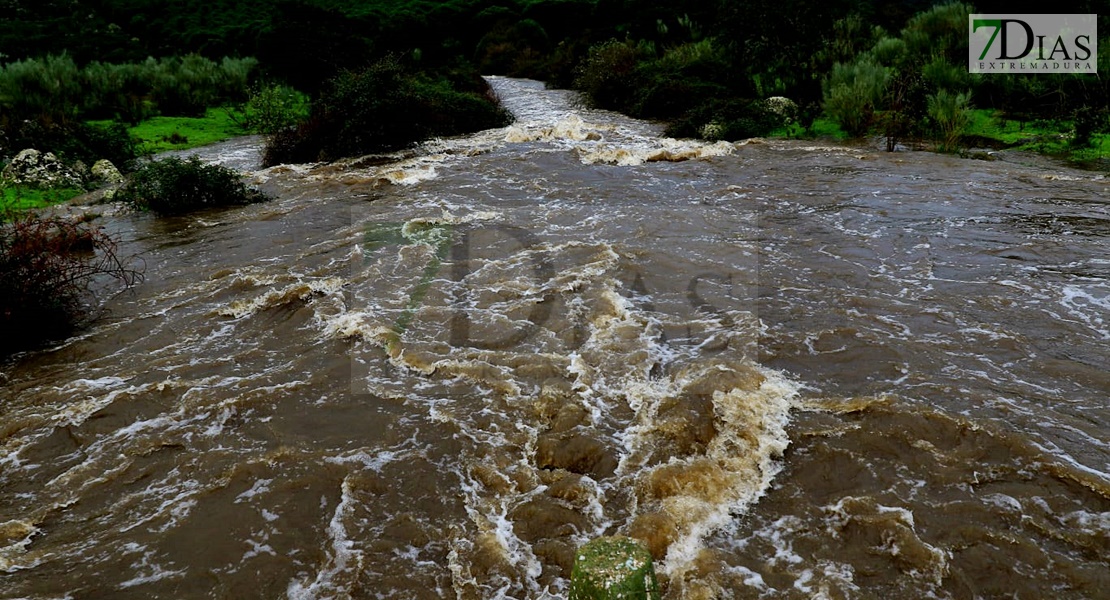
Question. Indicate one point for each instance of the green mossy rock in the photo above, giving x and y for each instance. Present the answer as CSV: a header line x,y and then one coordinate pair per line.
x,y
613,567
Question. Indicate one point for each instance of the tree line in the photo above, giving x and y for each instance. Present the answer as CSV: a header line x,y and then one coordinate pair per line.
x,y
708,68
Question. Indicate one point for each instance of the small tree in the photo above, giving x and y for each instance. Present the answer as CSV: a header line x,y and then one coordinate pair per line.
x,y
852,92
273,108
950,115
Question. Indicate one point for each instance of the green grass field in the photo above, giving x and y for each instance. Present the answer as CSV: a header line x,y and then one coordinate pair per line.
x,y
18,198
1052,138
161,134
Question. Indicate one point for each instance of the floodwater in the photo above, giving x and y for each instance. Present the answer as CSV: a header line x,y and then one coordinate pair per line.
x,y
793,369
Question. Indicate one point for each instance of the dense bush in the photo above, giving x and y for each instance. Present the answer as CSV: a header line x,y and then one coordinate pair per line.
x,y
53,90
609,76
48,267
733,119
385,107
685,77
188,85
1088,121
852,93
273,108
305,45
516,50
174,186
46,90
949,114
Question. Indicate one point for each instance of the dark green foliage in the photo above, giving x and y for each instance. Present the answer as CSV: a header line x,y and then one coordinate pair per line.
x,y
53,90
188,85
728,119
385,107
48,266
1088,121
91,143
273,108
305,45
668,57
515,50
776,45
609,76
174,186
72,142
46,90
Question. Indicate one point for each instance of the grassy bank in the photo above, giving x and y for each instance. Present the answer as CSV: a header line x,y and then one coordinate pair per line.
x,y
18,198
161,134
158,134
992,128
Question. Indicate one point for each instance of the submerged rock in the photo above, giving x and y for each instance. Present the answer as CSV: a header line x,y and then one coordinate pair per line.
x,y
613,567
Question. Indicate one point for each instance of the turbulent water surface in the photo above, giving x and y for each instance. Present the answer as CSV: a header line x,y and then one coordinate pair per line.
x,y
794,370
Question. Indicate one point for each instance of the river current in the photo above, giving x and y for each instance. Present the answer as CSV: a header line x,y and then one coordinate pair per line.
x,y
793,369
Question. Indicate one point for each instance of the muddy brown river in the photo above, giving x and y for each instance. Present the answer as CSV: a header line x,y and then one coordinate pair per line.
x,y
793,369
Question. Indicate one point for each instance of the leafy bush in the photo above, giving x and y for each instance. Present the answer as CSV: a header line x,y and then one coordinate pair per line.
x,y
385,107
188,85
48,267
684,77
46,90
608,77
950,115
53,90
852,92
1088,121
274,108
121,92
732,119
175,186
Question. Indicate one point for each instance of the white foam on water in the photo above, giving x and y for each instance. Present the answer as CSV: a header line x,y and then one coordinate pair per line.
x,y
1089,306
829,580
260,486
151,571
343,556
657,150
298,291
15,536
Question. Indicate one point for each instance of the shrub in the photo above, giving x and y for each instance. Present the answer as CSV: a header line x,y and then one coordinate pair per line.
x,y
852,92
683,78
187,86
1089,121
608,77
45,90
513,50
48,268
732,119
385,107
118,91
175,186
950,115
274,108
